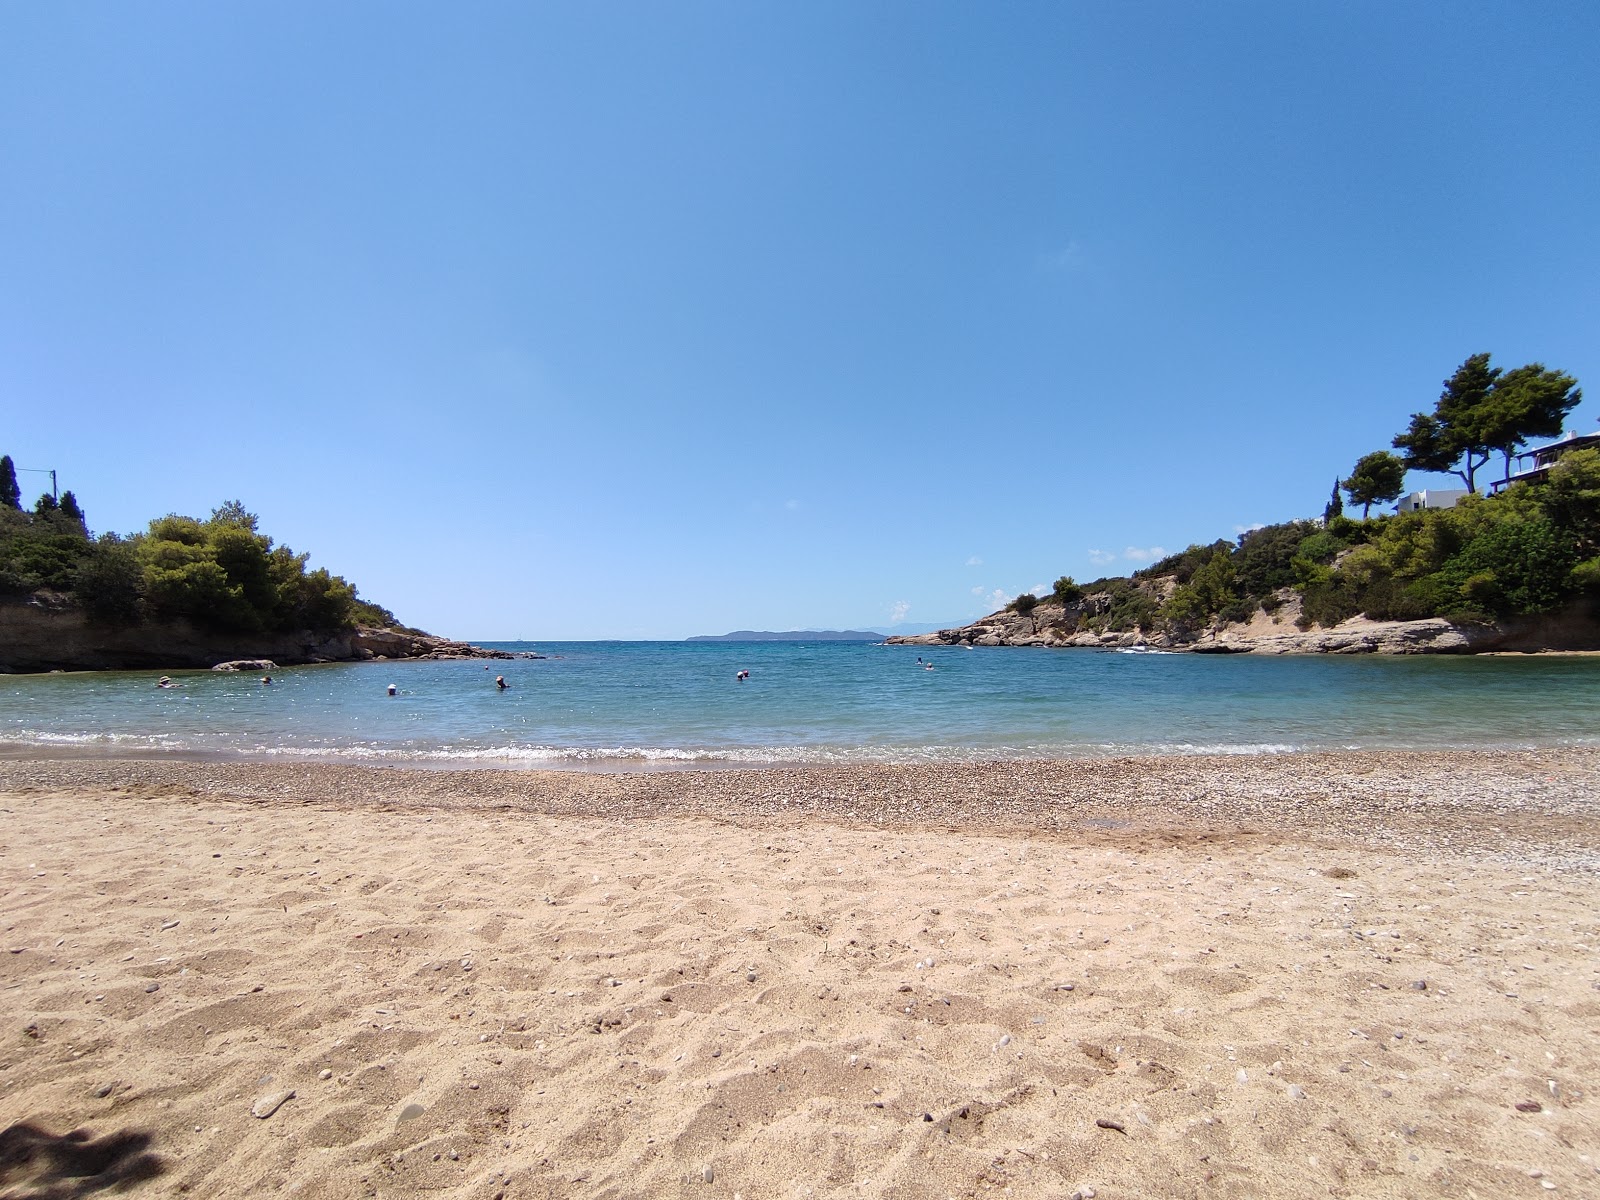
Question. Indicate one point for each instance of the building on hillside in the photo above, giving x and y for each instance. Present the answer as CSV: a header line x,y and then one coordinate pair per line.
x,y
1544,457
1431,498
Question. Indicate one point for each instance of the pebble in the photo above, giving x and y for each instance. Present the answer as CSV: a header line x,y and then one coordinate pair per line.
x,y
1109,1123
750,977
152,987
105,1089
324,1074
1083,1193
270,1103
1419,985
1296,1092
169,925
708,1174
1529,1106
1241,1076
411,1112
1065,987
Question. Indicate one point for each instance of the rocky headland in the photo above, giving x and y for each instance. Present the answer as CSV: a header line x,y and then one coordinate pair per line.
x,y
47,632
1279,631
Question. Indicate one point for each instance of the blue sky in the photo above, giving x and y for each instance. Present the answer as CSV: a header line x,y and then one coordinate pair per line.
x,y
649,320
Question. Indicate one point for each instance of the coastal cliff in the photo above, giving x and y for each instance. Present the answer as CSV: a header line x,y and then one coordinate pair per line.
x,y
1053,624
47,632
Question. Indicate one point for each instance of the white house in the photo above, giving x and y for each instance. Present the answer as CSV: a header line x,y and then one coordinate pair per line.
x,y
1431,498
1544,458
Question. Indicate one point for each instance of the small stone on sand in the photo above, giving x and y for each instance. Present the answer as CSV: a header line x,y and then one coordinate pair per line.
x,y
270,1103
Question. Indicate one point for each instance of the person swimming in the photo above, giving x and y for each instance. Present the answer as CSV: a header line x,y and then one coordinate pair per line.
x,y
742,676
266,681
165,682
500,682
393,691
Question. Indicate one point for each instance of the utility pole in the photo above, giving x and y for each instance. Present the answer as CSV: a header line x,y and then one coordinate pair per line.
x,y
50,471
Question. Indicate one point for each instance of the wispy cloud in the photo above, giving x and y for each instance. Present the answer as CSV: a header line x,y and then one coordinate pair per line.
x,y
898,611
1064,259
1039,589
1101,557
995,598
974,561
1142,554
792,505
1241,530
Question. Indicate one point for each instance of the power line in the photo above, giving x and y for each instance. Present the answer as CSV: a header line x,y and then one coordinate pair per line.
x,y
50,471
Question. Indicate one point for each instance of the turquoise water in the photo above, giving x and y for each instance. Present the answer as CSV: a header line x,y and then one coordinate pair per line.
x,y
615,704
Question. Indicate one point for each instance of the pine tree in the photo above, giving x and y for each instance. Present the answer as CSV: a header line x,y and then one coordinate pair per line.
x,y
69,508
1378,477
10,493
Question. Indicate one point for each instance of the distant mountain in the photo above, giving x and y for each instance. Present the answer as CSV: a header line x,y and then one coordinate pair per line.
x,y
794,635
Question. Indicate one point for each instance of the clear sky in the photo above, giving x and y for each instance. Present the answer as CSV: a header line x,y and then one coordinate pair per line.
x,y
648,320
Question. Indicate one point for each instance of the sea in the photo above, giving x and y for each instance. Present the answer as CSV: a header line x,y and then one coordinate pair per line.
x,y
663,705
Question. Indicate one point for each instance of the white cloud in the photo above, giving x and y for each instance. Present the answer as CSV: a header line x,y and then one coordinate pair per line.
x,y
1039,589
1101,557
1063,259
974,561
995,598
792,505
1144,553
898,611
1241,530
977,591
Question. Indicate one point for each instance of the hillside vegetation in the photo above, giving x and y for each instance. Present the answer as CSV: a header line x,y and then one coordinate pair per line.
x,y
220,573
1532,549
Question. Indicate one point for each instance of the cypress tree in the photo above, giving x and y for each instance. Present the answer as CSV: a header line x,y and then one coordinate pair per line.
x,y
10,493
1335,505
70,508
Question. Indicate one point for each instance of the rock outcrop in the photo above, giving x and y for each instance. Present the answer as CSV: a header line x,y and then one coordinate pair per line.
x,y
1277,632
45,632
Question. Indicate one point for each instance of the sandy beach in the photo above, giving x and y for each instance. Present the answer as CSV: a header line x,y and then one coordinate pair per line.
x,y
1364,975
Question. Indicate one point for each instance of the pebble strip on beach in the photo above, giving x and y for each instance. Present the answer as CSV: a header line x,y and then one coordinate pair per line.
x,y
1533,806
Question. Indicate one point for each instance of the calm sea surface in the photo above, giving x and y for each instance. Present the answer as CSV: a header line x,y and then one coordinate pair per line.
x,y
616,704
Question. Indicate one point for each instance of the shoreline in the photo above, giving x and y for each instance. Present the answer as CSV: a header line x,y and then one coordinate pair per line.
x,y
1358,974
1504,801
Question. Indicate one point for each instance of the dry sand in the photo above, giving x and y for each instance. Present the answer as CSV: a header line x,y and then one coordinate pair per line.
x,y
1349,975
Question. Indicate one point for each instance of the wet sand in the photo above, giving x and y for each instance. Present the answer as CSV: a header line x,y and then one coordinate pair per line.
x,y
1306,975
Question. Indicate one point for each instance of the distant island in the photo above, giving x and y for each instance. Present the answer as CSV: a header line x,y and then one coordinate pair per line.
x,y
794,635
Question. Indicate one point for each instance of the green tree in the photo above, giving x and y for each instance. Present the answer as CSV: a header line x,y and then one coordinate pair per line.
x,y
10,493
108,582
1456,430
1335,506
1378,478
45,505
1208,592
1530,401
71,509
1065,591
1025,603
1484,409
